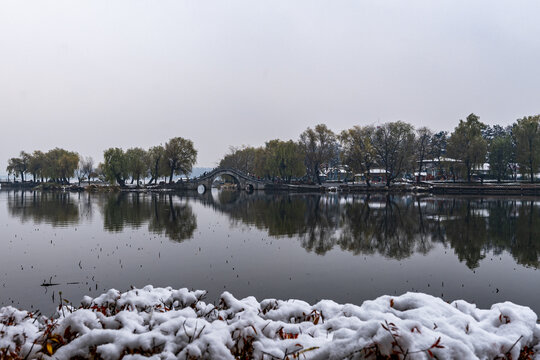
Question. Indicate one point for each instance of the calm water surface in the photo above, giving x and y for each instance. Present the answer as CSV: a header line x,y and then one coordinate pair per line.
x,y
348,248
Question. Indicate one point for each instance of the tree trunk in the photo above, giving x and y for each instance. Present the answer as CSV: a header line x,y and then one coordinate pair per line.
x,y
156,169
368,179
120,181
419,170
170,177
387,175
172,211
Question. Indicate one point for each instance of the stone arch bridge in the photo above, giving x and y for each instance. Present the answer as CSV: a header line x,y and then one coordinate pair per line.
x,y
244,181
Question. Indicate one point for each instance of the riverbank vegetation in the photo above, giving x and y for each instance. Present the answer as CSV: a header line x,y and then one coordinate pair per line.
x,y
390,152
58,166
397,150
176,157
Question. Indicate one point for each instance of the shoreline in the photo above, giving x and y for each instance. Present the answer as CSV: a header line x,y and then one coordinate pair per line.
x,y
502,189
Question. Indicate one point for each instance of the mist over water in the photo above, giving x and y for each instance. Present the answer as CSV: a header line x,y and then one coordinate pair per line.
x,y
347,248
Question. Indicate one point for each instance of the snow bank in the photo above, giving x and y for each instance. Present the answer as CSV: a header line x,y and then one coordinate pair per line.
x,y
164,323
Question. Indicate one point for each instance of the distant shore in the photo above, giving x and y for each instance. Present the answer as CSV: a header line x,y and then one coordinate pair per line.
x,y
444,188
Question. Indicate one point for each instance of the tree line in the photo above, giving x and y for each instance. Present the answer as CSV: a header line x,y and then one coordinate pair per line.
x,y
56,165
398,149
395,148
176,157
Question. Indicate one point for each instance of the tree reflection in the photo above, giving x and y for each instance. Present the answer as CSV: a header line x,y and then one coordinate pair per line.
x,y
312,218
394,226
466,230
176,220
162,212
526,247
55,208
125,209
321,221
391,226
280,215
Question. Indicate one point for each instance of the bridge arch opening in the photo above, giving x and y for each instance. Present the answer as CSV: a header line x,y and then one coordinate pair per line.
x,y
232,179
227,181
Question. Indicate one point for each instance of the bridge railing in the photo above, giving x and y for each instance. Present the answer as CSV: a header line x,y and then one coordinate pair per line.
x,y
236,172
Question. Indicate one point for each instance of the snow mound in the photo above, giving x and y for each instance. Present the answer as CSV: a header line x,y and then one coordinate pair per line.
x,y
164,323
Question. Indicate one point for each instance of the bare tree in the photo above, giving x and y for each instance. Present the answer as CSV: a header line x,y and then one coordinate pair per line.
x,y
358,151
393,144
319,147
423,148
87,167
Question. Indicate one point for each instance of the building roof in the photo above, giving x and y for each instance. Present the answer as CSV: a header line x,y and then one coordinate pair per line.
x,y
440,159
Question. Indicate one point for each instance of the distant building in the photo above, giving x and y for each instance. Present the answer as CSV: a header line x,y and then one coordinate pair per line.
x,y
336,173
437,168
422,175
375,175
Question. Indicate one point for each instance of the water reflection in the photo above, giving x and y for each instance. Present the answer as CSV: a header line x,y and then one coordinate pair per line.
x,y
389,225
55,208
394,227
176,220
397,226
163,213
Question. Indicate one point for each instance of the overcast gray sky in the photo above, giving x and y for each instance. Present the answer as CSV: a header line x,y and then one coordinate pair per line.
x,y
87,75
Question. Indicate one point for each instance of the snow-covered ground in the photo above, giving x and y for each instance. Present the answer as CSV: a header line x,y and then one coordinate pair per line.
x,y
164,323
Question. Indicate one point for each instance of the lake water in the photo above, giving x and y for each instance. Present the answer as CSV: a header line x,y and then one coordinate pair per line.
x,y
347,248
